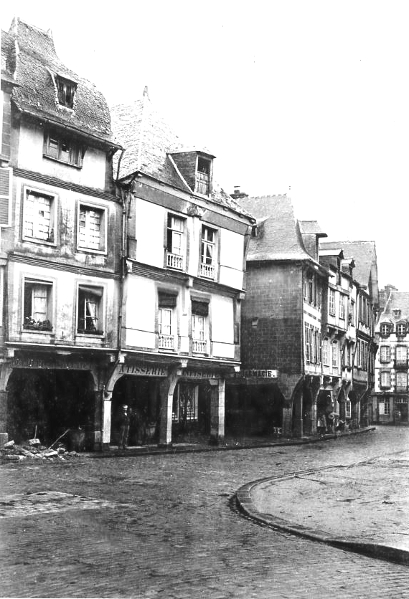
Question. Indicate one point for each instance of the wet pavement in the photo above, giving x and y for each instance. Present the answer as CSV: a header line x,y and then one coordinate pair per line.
x,y
166,525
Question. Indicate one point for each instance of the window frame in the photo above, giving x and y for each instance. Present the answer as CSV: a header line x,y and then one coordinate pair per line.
x,y
66,97
99,312
401,329
75,152
385,329
52,233
29,323
208,269
331,302
103,210
383,349
175,259
399,375
385,374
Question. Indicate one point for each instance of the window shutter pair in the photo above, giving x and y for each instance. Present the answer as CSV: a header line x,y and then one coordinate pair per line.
x,y
5,196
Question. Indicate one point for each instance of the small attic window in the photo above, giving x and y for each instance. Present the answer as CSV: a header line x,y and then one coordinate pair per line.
x,y
66,91
203,176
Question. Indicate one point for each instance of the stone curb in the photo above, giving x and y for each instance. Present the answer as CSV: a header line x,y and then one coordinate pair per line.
x,y
374,550
155,450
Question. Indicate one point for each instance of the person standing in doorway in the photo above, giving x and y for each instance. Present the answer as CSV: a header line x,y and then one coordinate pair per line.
x,y
123,427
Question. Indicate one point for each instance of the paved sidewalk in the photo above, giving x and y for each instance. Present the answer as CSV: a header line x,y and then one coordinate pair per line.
x,y
362,507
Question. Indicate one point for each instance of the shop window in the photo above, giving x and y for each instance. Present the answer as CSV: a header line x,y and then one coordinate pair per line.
x,y
92,228
37,306
166,321
175,246
66,90
39,216
185,403
384,407
208,253
90,306
60,147
385,353
200,311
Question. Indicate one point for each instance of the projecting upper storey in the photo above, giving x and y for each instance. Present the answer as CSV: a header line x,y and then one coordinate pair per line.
x,y
152,149
46,89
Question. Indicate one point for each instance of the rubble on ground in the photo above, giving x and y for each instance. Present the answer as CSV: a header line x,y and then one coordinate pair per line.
x,y
33,449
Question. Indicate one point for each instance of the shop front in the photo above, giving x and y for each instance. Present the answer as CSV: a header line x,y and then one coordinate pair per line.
x,y
48,395
167,402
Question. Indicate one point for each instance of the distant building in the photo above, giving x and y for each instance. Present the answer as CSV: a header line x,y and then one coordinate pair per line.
x,y
281,323
358,302
389,403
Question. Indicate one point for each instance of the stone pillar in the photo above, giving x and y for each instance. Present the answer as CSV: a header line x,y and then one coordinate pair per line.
x,y
167,390
217,410
3,418
297,414
287,422
106,419
98,415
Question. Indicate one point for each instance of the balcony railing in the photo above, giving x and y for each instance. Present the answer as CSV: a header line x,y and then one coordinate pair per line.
x,y
174,261
199,346
166,341
207,270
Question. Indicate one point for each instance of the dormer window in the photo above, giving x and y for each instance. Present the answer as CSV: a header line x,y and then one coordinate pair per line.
x,y
401,329
66,92
385,329
203,176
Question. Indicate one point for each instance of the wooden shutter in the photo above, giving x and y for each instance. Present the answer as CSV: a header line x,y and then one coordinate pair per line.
x,y
5,196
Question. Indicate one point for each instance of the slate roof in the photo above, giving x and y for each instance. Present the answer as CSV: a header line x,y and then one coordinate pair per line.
x,y
364,255
279,236
398,300
148,142
29,57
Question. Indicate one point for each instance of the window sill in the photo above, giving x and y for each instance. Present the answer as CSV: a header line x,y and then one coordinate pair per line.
x,y
96,334
37,332
91,251
40,241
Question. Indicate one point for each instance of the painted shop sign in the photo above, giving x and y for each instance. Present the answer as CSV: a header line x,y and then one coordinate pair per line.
x,y
197,374
259,374
143,370
50,364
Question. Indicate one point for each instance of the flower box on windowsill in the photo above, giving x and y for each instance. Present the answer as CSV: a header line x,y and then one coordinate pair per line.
x,y
32,325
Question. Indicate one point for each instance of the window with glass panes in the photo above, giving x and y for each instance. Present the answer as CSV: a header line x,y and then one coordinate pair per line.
x,y
401,381
385,353
208,252
90,316
385,379
335,355
91,228
37,305
38,216
331,302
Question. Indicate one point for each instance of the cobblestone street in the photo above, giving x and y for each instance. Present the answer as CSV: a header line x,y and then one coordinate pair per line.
x,y
165,526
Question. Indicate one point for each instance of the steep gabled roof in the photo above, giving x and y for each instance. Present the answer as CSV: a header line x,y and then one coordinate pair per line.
x,y
366,266
398,300
29,57
278,236
148,144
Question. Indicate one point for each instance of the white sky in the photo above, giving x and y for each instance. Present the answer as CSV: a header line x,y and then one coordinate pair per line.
x,y
306,94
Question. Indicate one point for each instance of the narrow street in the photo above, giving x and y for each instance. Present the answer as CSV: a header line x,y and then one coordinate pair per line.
x,y
165,526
